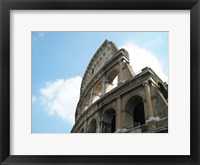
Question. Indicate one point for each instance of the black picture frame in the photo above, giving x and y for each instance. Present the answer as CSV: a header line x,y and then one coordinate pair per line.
x,y
7,5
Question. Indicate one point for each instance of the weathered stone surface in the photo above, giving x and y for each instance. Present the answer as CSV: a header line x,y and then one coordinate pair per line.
x,y
114,99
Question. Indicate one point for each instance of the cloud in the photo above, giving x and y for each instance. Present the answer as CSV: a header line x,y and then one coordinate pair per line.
x,y
60,97
141,58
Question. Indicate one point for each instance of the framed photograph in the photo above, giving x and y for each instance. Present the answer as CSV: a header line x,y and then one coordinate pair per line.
x,y
99,82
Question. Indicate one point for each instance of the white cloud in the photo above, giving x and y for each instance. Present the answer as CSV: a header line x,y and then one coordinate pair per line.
x,y
61,96
141,58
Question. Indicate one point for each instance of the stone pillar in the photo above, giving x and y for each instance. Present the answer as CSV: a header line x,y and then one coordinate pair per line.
x,y
127,120
101,121
146,113
119,114
148,99
85,126
120,74
91,95
103,88
98,127
98,130
125,72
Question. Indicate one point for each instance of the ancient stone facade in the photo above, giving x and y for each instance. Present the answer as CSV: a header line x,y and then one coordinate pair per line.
x,y
113,99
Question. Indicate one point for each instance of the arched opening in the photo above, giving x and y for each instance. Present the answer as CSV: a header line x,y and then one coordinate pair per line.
x,y
97,92
92,126
109,121
87,102
163,90
112,80
138,114
134,113
113,124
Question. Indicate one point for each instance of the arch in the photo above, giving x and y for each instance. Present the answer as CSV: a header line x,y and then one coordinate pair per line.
x,y
124,103
112,105
138,114
112,79
109,121
163,90
97,92
87,101
134,112
92,126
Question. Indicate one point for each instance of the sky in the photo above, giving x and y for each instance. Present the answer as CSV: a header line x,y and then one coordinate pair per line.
x,y
59,60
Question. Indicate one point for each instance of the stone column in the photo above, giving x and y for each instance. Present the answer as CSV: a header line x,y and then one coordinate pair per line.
x,y
127,119
146,113
101,121
148,99
86,125
103,88
91,95
120,74
98,130
119,114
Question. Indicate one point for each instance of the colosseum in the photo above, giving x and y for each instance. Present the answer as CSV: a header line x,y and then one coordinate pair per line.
x,y
113,99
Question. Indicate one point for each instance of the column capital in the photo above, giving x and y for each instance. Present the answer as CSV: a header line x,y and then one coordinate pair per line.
x,y
118,97
144,100
147,82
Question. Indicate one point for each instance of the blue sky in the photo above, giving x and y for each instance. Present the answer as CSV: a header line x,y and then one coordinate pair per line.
x,y
59,60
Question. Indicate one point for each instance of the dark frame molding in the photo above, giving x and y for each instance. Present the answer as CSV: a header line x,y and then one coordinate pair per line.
x,y
7,5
